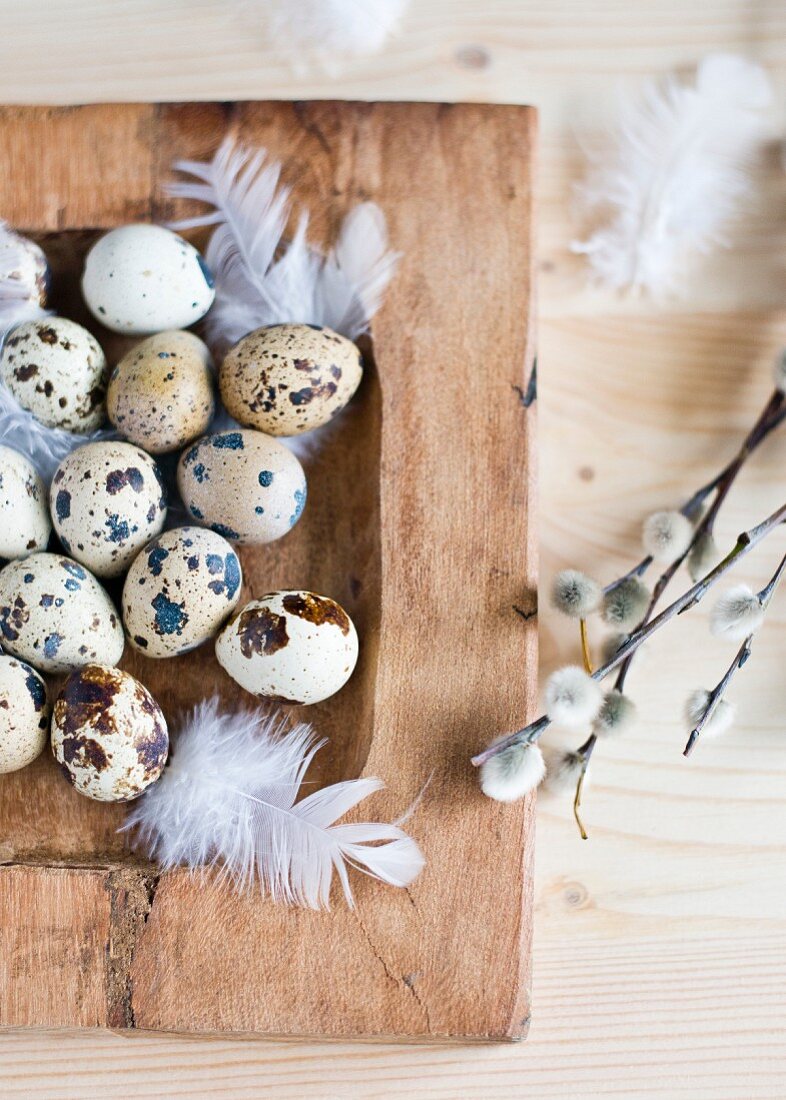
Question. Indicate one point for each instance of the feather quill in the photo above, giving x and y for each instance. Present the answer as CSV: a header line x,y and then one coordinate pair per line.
x,y
674,174
260,278
227,801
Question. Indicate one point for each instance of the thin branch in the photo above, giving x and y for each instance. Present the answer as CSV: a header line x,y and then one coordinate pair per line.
x,y
585,649
585,752
744,544
717,693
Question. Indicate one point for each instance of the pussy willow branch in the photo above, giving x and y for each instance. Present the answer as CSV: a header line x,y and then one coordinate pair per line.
x,y
740,658
771,416
744,544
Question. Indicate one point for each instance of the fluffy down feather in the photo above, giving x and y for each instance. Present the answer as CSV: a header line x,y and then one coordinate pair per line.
x,y
673,174
228,800
262,280
329,31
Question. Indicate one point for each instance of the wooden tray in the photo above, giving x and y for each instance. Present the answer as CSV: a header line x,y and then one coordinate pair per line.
x,y
419,522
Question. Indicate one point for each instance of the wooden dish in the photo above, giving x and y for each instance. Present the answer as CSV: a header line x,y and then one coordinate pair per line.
x,y
420,522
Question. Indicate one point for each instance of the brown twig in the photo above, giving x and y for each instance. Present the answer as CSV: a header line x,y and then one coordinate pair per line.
x,y
744,544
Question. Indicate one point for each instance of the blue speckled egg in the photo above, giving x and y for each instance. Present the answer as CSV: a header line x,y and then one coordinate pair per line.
x,y
56,616
179,591
243,485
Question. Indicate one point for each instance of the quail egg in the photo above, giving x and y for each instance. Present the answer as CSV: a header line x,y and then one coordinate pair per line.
x,y
179,591
24,517
291,647
56,616
140,279
24,714
56,370
24,264
107,501
287,379
160,394
243,485
109,735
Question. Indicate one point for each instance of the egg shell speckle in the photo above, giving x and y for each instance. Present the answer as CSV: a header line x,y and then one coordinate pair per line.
x,y
289,647
25,526
160,394
107,500
179,591
140,279
109,735
56,616
290,378
24,714
243,485
57,371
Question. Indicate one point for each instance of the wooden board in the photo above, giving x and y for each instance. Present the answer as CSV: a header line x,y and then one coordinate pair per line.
x,y
419,522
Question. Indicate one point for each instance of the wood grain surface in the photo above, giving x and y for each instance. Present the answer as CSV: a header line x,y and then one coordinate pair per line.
x,y
659,958
417,522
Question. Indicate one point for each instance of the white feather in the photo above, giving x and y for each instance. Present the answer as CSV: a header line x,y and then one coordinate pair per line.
x,y
675,172
228,800
330,31
262,280
45,447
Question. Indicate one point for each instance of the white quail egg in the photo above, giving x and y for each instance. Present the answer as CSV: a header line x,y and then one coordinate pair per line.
x,y
109,734
56,616
23,264
287,379
179,591
290,647
107,500
25,526
140,279
160,394
24,714
56,370
243,485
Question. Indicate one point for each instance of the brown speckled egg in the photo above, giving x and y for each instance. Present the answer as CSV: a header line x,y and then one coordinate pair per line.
x,y
109,735
107,501
24,517
290,647
160,394
179,591
242,485
287,379
56,616
56,370
24,714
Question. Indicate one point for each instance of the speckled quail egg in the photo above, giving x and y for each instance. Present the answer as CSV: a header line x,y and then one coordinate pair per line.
x,y
24,714
23,263
287,379
55,615
109,735
24,517
291,647
107,499
160,394
179,591
56,370
243,485
140,279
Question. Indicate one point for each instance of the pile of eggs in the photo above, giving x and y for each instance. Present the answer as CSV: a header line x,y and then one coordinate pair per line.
x,y
104,517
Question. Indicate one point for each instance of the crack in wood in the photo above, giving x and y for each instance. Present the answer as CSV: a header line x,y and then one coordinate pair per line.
x,y
408,981
529,395
131,895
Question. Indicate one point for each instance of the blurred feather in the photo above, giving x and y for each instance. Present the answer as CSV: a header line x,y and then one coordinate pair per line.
x,y
228,800
674,174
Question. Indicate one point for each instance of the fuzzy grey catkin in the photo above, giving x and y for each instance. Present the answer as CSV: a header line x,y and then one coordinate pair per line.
x,y
695,708
736,614
512,773
703,557
572,696
617,714
626,605
562,770
779,371
575,594
666,536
